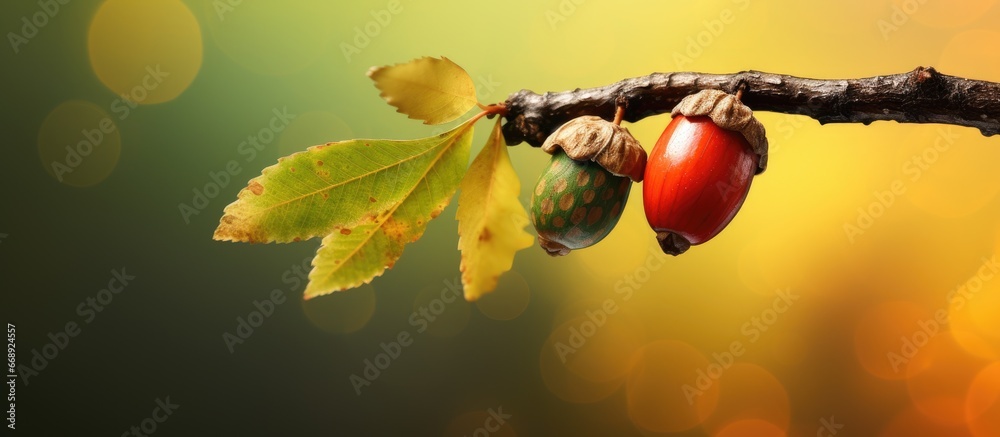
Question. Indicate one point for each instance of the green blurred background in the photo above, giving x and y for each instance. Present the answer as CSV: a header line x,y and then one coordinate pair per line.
x,y
853,309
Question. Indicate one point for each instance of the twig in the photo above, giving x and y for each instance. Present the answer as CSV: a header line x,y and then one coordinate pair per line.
x,y
920,96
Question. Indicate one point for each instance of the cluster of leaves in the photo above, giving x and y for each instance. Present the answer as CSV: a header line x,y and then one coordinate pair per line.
x,y
368,198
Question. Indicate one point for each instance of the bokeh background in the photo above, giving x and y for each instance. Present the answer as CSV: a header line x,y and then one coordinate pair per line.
x,y
855,294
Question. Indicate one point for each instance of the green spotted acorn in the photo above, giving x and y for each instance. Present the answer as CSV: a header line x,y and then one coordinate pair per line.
x,y
581,194
576,204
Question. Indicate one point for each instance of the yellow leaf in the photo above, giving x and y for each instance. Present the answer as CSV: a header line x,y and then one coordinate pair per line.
x,y
356,252
490,218
429,89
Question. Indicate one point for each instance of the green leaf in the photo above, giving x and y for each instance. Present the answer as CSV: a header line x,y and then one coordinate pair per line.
x,y
340,185
491,220
429,89
355,253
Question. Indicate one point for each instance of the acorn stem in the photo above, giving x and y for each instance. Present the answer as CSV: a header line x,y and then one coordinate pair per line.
x,y
619,115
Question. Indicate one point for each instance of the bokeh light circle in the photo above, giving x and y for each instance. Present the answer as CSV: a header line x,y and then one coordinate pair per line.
x,y
509,300
598,349
446,313
478,423
571,309
973,342
975,303
973,306
749,392
665,391
565,372
147,51
888,336
911,423
341,312
79,143
751,427
982,404
939,390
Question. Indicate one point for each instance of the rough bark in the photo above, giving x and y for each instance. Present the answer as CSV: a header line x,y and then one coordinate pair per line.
x,y
920,96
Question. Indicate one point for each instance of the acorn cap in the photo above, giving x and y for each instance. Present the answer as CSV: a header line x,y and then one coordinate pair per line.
x,y
596,139
729,113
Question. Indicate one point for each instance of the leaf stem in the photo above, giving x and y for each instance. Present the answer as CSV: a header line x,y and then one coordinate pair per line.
x,y
490,112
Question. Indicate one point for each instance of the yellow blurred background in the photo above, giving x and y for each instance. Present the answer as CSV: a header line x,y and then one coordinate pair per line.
x,y
856,293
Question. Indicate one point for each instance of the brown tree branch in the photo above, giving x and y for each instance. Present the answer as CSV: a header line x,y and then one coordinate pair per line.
x,y
920,96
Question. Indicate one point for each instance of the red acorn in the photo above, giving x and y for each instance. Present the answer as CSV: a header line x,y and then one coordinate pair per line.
x,y
699,171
